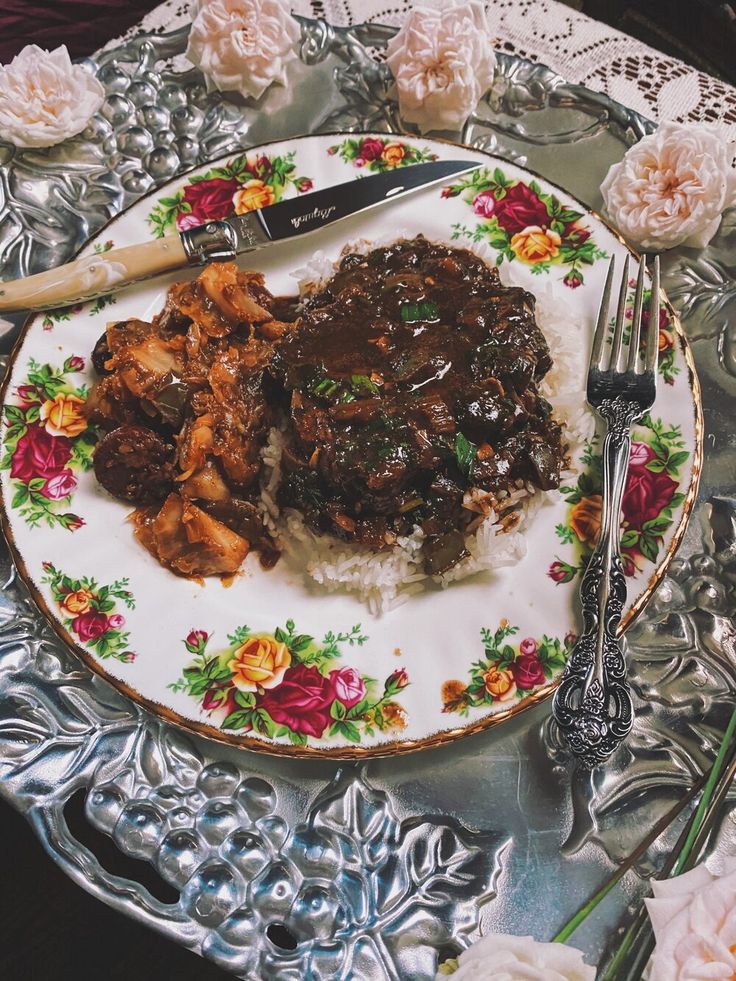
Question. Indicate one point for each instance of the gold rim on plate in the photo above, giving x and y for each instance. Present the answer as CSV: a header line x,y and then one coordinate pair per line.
x,y
396,747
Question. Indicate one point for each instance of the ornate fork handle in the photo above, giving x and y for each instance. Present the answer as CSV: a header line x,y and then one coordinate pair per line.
x,y
593,704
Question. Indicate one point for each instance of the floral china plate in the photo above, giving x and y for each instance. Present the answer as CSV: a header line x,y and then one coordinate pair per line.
x,y
271,661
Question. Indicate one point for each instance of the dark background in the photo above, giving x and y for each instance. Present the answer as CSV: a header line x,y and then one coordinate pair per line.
x,y
50,929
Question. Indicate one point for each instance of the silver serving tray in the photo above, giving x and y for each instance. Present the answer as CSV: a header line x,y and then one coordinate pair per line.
x,y
377,871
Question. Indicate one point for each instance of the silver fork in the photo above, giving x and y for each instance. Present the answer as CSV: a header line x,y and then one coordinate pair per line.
x,y
593,705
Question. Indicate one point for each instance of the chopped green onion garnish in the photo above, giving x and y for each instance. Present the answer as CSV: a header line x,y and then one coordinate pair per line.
x,y
426,311
465,453
325,387
362,385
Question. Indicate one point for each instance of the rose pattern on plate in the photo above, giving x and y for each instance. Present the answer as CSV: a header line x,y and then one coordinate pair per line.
x,y
509,670
522,222
378,155
101,303
58,315
244,184
287,685
89,612
667,363
100,247
47,440
651,497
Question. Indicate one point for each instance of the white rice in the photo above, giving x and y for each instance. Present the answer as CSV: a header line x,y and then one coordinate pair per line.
x,y
385,580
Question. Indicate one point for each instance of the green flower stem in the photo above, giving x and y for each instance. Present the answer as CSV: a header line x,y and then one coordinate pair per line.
x,y
710,786
664,822
638,938
643,943
384,698
684,856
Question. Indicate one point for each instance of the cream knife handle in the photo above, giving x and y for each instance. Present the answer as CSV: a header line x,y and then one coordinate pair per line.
x,y
86,278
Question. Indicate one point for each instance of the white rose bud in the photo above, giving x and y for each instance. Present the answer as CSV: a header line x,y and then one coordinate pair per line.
x,y
443,61
671,187
242,45
518,959
44,98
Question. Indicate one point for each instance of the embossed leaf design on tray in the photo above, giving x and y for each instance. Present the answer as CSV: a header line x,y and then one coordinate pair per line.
x,y
359,890
207,827
682,671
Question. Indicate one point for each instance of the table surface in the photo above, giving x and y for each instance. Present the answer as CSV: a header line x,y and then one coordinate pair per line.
x,y
58,932
82,25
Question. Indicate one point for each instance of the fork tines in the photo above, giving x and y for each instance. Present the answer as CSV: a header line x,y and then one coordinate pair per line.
x,y
637,358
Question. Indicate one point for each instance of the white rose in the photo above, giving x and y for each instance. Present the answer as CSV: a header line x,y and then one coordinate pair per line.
x,y
694,921
443,61
242,45
671,187
44,98
498,957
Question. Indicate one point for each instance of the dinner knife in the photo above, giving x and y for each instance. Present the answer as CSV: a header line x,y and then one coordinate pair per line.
x,y
223,239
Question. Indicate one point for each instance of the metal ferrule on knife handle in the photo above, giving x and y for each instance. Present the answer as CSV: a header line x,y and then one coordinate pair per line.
x,y
212,242
221,241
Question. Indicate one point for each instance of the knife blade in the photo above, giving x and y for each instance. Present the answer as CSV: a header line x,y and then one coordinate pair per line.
x,y
223,239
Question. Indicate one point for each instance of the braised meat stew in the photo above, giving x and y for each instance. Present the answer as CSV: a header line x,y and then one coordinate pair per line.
x,y
406,388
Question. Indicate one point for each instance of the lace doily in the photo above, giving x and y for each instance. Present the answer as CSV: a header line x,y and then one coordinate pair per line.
x,y
580,49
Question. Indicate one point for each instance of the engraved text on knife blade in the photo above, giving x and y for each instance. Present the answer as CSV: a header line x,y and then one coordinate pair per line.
x,y
317,214
250,231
